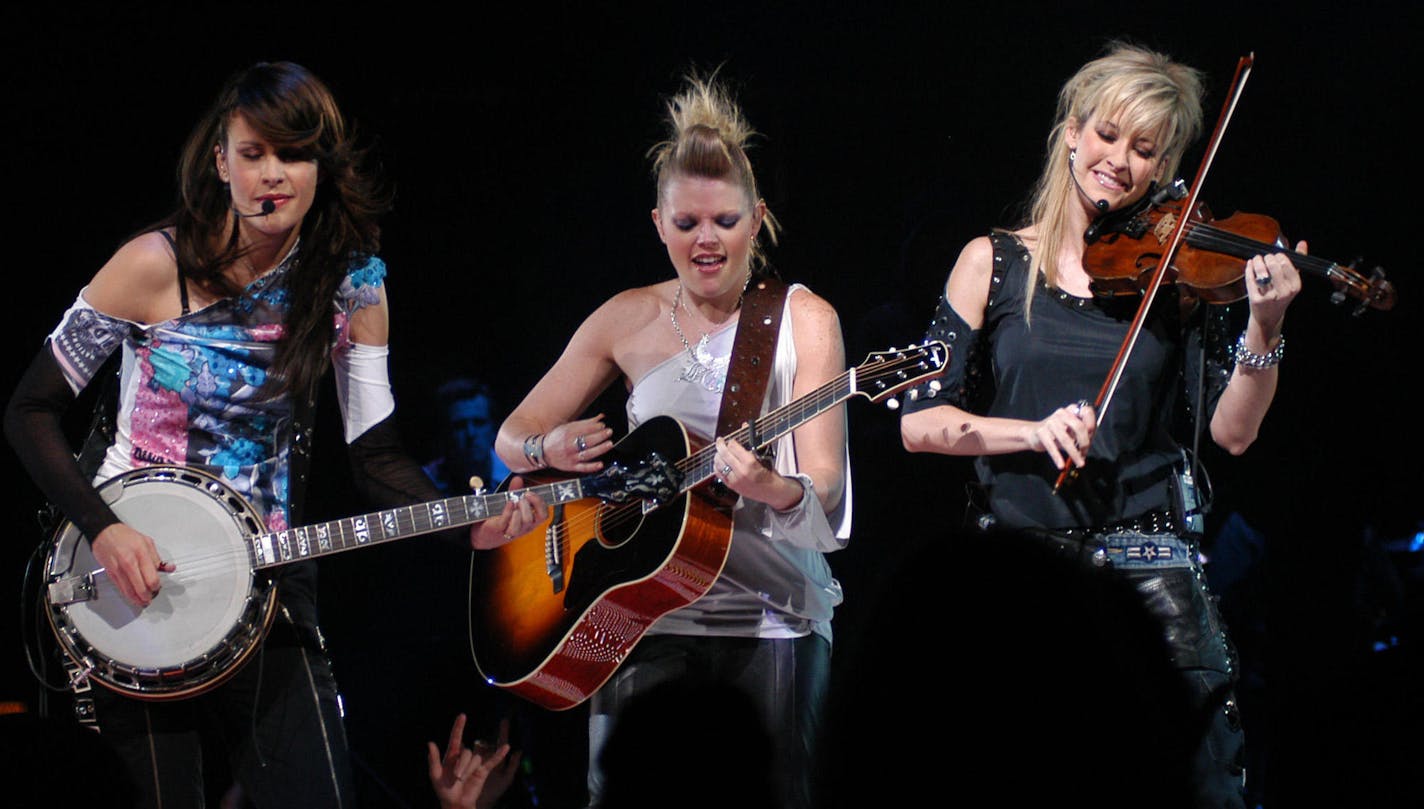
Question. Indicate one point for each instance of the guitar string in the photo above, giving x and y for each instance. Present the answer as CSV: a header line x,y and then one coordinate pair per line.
x,y
697,467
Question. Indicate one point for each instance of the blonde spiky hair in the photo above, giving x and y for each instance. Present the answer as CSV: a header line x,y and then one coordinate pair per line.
x,y
707,138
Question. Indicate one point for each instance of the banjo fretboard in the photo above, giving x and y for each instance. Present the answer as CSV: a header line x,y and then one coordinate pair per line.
x,y
310,541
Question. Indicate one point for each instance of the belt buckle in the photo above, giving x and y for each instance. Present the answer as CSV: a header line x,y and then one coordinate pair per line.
x,y
1137,550
1149,551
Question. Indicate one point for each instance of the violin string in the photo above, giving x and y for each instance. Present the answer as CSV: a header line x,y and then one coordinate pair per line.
x,y
1209,236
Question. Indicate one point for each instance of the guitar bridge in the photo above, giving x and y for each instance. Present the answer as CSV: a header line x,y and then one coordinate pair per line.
x,y
554,548
72,590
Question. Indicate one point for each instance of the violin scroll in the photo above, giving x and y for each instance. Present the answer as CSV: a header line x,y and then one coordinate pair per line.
x,y
1375,292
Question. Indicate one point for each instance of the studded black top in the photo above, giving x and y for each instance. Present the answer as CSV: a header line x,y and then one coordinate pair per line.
x,y
1014,368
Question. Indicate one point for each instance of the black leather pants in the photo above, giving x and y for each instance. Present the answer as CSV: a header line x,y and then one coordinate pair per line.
x,y
1167,571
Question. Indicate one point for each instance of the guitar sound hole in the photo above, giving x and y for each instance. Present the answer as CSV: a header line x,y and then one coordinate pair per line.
x,y
616,525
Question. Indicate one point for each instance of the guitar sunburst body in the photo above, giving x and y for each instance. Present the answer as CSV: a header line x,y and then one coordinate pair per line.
x,y
555,637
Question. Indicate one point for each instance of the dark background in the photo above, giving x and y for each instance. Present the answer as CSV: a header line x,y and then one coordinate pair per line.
x,y
893,134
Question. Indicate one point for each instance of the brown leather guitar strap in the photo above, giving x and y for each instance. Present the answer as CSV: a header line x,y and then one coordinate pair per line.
x,y
753,354
753,350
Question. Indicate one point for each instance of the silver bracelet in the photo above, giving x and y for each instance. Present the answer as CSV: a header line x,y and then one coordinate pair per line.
x,y
534,450
1250,359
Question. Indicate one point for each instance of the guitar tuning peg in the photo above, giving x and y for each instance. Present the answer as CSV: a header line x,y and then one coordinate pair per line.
x,y
892,403
914,394
934,385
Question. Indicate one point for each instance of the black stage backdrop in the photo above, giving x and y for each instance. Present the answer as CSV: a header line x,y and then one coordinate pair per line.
x,y
893,134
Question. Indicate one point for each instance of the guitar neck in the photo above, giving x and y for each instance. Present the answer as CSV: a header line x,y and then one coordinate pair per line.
x,y
700,466
311,541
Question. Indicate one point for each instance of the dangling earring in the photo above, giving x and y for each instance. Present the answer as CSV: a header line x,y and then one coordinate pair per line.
x,y
222,155
1072,155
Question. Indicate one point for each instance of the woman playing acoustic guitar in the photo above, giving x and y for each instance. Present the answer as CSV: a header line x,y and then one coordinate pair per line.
x,y
769,612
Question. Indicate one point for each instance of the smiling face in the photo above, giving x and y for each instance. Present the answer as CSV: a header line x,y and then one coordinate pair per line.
x,y
708,226
259,172
1115,159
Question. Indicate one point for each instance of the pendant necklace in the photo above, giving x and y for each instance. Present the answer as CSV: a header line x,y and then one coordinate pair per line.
x,y
704,369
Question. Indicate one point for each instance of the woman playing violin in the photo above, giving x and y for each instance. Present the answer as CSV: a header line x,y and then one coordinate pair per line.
x,y
1031,344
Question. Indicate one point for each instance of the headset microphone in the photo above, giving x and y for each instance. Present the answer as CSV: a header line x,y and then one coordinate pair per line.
x,y
268,206
1100,204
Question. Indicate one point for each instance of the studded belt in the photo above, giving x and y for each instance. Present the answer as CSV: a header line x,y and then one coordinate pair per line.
x,y
1153,522
1146,542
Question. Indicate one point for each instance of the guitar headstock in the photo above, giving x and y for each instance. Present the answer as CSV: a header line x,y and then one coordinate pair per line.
x,y
656,479
885,373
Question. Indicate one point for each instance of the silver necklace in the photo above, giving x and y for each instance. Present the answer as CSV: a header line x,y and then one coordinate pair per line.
x,y
710,376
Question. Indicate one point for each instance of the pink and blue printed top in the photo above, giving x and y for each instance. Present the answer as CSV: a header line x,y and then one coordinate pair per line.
x,y
189,387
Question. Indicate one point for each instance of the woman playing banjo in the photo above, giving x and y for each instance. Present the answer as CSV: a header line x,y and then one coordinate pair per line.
x,y
226,314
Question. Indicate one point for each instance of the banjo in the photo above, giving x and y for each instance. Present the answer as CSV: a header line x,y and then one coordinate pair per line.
x,y
215,608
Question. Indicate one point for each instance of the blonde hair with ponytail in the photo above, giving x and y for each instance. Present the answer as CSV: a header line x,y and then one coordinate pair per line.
x,y
708,138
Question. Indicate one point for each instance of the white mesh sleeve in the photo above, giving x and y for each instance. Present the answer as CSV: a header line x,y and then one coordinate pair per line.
x,y
363,387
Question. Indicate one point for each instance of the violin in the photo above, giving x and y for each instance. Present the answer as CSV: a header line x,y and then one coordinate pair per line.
x,y
1124,247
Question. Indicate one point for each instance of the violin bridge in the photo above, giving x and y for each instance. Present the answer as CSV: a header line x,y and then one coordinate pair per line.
x,y
1164,228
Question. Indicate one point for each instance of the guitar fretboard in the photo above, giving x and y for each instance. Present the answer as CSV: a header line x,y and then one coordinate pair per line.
x,y
872,379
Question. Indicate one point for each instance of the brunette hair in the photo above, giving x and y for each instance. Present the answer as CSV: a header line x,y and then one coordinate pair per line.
x,y
1149,93
294,111
708,138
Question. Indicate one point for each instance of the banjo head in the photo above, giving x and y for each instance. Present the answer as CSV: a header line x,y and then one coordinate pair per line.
x,y
211,611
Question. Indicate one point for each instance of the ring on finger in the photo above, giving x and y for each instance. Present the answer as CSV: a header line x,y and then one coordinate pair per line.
x,y
726,470
580,444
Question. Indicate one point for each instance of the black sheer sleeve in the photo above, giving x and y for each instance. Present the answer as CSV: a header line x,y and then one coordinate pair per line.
x,y
962,384
387,477
33,428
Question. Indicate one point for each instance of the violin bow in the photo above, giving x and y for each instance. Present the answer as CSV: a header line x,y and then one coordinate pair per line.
x,y
1149,293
